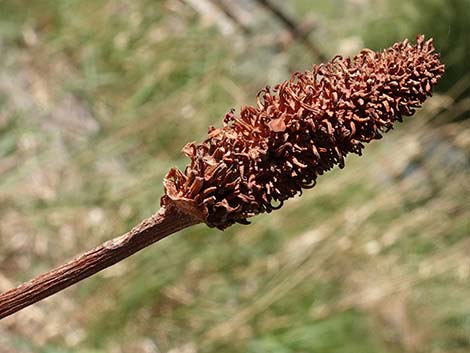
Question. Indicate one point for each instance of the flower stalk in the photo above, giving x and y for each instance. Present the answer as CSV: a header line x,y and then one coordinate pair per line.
x,y
268,153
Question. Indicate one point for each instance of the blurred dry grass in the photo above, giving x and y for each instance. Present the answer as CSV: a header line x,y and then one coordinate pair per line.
x,y
96,100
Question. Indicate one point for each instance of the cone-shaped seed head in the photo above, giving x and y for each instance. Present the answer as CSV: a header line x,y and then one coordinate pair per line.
x,y
300,129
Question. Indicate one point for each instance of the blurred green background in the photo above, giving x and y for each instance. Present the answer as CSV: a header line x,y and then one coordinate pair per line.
x,y
97,99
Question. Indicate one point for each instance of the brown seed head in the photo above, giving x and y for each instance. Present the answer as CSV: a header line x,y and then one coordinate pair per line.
x,y
299,130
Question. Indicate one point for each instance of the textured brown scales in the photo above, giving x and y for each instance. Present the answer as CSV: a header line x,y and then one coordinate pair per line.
x,y
300,129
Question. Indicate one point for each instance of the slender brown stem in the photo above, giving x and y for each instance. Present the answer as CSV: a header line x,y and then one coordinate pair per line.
x,y
167,221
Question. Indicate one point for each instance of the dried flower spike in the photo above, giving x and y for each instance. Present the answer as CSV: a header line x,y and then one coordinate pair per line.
x,y
299,130
269,153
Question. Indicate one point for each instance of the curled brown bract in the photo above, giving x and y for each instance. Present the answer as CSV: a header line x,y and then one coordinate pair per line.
x,y
299,130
